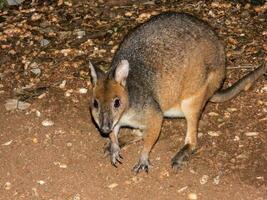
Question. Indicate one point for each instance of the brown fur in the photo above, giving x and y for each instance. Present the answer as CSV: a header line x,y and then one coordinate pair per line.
x,y
168,67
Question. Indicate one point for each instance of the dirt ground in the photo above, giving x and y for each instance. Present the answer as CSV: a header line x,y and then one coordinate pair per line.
x,y
45,48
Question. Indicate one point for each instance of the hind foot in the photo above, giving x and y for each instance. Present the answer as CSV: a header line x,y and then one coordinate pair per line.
x,y
181,157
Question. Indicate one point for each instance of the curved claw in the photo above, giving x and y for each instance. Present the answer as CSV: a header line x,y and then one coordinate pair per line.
x,y
142,165
115,156
139,167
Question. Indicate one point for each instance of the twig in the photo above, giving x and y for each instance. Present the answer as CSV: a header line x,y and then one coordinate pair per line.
x,y
243,67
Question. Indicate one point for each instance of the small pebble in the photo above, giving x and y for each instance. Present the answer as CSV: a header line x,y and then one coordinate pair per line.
x,y
76,197
35,140
82,90
260,177
41,182
14,2
7,143
64,166
47,122
231,109
69,144
13,104
44,42
236,138
214,133
80,34
192,196
7,186
264,89
62,84
68,93
38,113
182,189
36,71
204,179
213,114
128,14
113,185
216,180
251,134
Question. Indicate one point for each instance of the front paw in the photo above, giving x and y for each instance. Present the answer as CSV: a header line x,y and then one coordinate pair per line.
x,y
114,153
142,165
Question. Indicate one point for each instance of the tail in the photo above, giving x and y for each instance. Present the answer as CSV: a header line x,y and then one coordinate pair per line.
x,y
242,84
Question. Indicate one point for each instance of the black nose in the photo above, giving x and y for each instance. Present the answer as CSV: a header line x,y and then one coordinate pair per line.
x,y
105,130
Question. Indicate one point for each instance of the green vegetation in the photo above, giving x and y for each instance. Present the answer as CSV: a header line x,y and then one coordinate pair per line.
x,y
2,3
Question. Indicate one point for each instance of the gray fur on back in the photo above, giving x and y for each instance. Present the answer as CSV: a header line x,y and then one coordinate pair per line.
x,y
165,44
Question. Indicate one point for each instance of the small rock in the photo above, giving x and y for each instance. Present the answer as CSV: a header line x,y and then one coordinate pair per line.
x,y
36,71
68,92
64,166
47,122
192,196
128,14
182,189
213,114
216,180
63,84
80,34
142,17
38,113
41,96
251,134
214,133
236,138
260,177
264,89
7,186
242,156
35,193
69,144
44,42
14,2
41,182
76,197
82,90
35,140
204,179
36,16
113,185
7,143
231,109
13,104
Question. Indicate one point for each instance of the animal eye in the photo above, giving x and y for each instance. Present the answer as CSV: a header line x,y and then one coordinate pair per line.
x,y
117,103
95,104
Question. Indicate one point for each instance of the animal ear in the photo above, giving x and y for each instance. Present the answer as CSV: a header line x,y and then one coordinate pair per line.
x,y
122,71
96,73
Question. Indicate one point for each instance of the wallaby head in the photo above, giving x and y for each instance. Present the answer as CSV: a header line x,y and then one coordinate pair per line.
x,y
110,96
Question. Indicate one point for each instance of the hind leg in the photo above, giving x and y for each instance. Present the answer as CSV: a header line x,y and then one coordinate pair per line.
x,y
192,108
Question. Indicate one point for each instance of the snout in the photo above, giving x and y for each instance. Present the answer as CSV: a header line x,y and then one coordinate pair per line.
x,y
105,130
106,125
